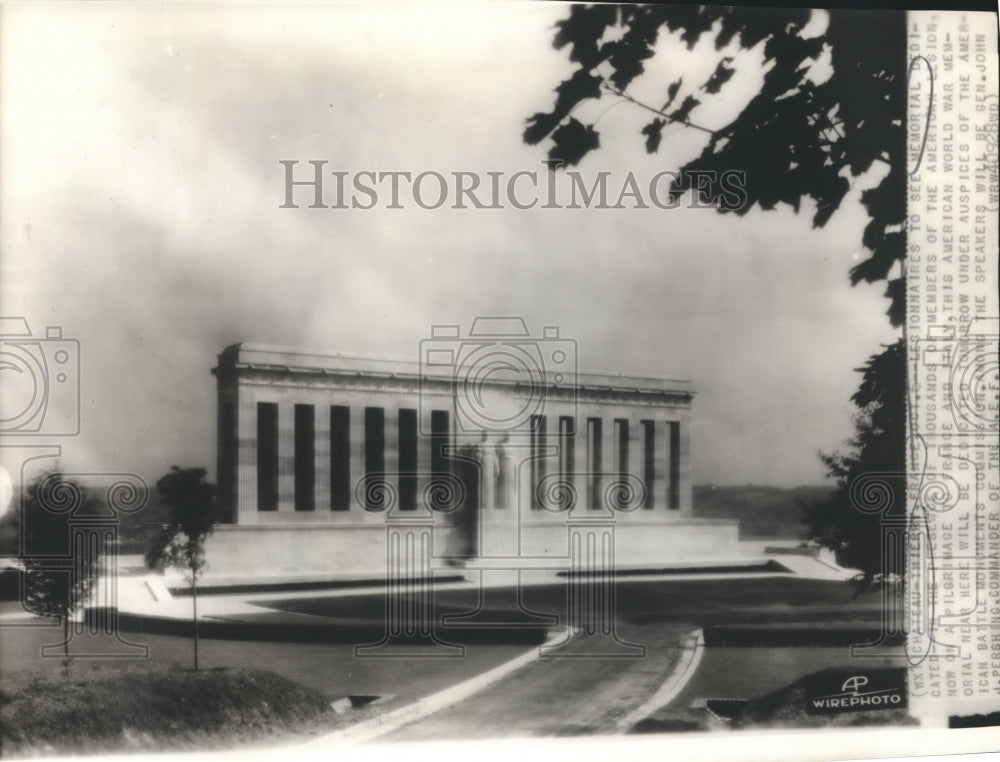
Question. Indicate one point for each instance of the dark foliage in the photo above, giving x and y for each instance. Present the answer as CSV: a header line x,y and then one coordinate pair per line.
x,y
794,140
572,141
58,577
189,502
871,476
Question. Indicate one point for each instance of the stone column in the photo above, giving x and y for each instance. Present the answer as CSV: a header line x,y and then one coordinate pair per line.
x,y
660,485
633,468
357,458
609,468
591,465
226,455
541,465
322,454
632,454
684,474
246,462
673,474
390,456
581,467
286,457
425,445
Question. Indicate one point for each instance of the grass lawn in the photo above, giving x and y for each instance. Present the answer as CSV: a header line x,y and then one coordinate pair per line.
x,y
151,707
701,602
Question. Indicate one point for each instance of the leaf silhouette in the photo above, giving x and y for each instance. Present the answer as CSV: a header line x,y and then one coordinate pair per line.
x,y
896,292
580,86
583,30
573,141
672,93
653,131
722,74
687,105
890,248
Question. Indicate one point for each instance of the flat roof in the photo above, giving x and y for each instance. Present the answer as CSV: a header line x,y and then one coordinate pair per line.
x,y
529,355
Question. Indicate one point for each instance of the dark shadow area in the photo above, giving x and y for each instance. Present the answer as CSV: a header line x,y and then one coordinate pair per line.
x,y
767,566
269,628
975,720
770,611
796,635
292,587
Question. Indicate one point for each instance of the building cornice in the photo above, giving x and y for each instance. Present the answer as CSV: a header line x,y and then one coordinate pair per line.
x,y
263,363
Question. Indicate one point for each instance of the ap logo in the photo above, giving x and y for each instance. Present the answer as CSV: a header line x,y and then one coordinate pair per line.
x,y
854,684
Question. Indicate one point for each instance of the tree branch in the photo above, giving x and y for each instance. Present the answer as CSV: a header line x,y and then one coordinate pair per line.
x,y
630,99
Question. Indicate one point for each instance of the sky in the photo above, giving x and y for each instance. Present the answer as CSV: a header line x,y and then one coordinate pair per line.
x,y
140,195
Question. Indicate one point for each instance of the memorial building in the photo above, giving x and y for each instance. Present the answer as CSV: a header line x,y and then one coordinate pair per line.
x,y
491,450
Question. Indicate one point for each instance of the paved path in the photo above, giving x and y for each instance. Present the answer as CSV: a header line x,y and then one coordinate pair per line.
x,y
570,693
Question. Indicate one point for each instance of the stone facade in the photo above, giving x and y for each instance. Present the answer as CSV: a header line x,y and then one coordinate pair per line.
x,y
495,455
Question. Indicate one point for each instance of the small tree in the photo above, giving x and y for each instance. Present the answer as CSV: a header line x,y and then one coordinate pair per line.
x,y
190,501
58,575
